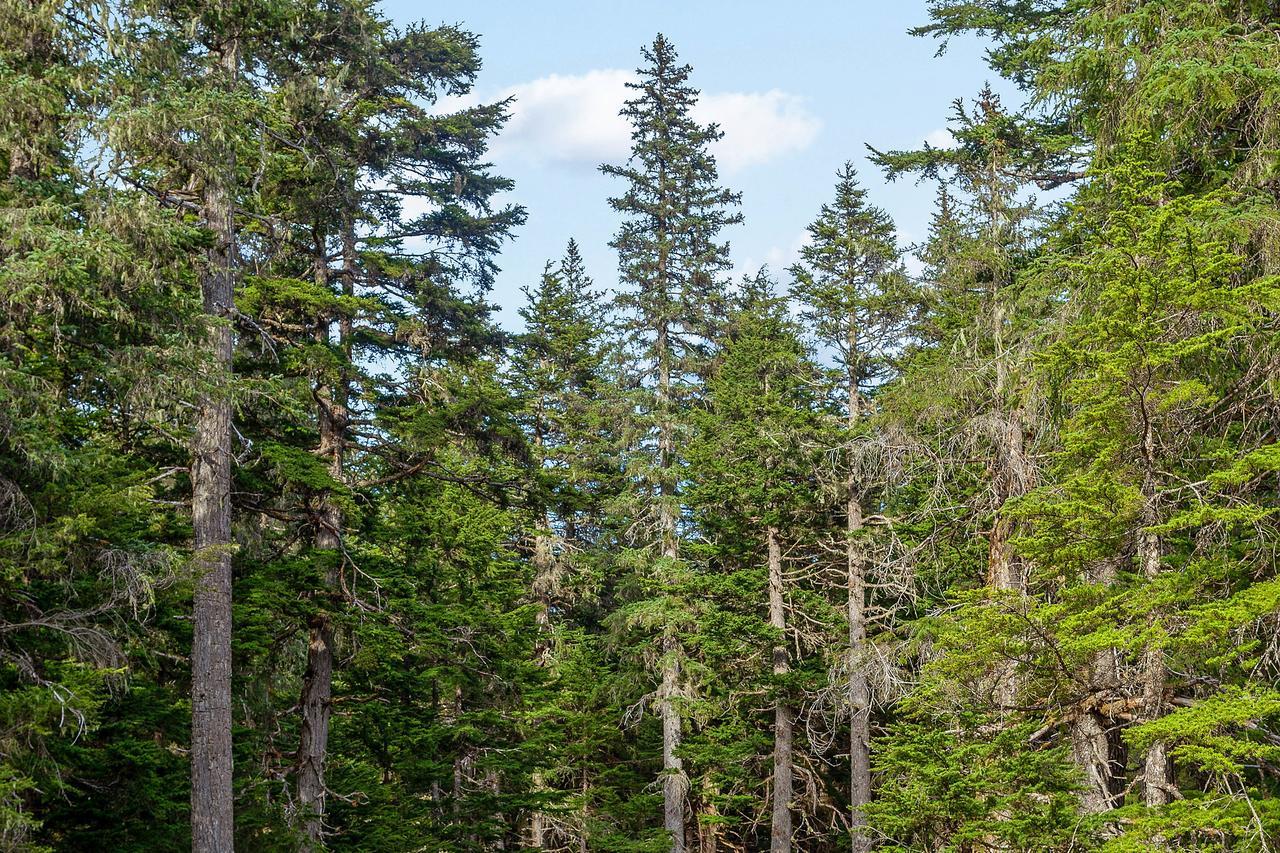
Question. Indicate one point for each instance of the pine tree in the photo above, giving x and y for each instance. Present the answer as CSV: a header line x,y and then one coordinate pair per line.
x,y
671,257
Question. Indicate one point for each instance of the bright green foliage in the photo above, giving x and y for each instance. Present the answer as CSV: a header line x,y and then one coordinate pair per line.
x,y
943,792
1146,537
1154,373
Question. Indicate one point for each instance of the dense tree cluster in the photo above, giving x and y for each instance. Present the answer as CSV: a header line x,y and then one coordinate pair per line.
x,y
299,550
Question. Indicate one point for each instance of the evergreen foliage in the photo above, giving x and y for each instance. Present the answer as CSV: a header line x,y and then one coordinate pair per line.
x,y
981,558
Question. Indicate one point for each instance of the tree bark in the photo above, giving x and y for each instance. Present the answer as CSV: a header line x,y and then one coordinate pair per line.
x,y
1005,572
1012,478
543,563
1096,745
673,781
674,784
780,830
1156,772
1094,748
212,817
332,400
859,689
537,821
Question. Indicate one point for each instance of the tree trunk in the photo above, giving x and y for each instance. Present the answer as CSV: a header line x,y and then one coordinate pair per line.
x,y
332,399
317,687
1005,572
1156,770
542,585
780,831
1095,750
673,781
537,821
1096,745
1011,479
674,784
211,762
859,689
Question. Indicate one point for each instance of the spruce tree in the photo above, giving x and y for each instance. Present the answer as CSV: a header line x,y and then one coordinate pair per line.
x,y
557,374
847,283
355,284
184,114
755,498
670,258
95,348
1151,373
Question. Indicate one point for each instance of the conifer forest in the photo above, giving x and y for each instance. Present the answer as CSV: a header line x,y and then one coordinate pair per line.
x,y
964,542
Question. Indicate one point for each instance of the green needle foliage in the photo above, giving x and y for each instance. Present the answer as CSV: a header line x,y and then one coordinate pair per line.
x,y
973,554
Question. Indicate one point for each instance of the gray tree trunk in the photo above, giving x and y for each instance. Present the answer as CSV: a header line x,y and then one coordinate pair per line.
x,y
212,820
1156,770
1005,572
673,780
859,689
1096,745
543,565
780,830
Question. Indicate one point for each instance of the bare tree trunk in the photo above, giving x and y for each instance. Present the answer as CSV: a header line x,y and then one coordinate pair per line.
x,y
537,821
542,585
673,781
317,687
859,689
1012,478
780,831
212,813
1005,572
1156,770
332,400
708,828
1093,748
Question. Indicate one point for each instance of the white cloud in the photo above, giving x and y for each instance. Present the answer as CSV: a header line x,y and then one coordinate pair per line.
x,y
569,119
777,258
758,126
573,120
940,138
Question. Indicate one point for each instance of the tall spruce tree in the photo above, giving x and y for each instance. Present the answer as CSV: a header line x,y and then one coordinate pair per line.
x,y
354,284
557,374
670,258
185,113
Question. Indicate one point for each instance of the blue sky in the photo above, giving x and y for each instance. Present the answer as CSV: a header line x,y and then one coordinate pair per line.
x,y
798,89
